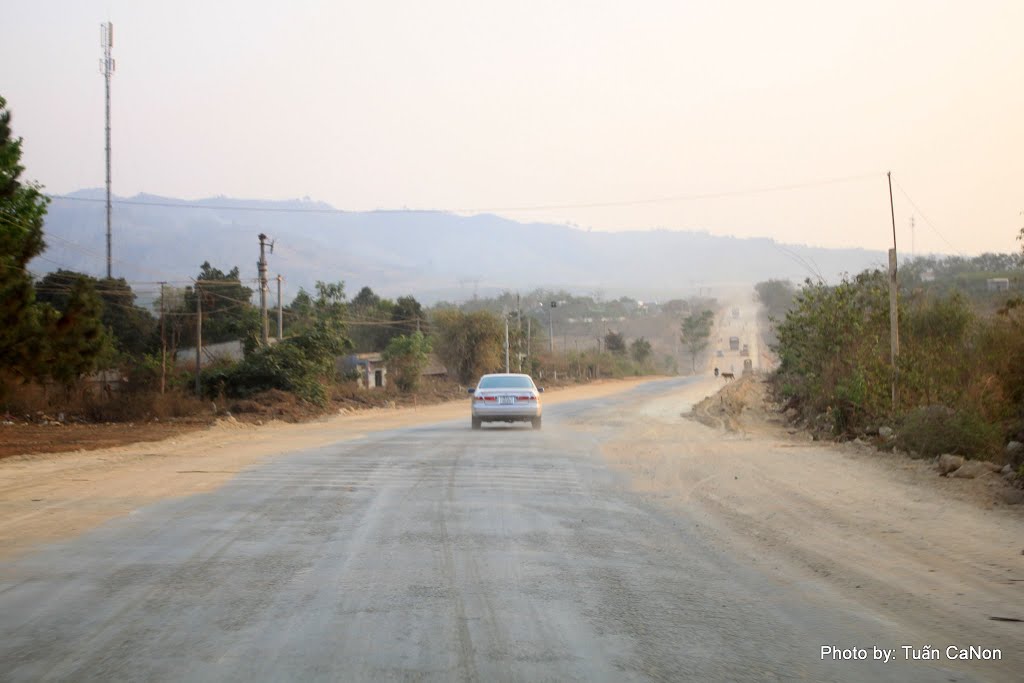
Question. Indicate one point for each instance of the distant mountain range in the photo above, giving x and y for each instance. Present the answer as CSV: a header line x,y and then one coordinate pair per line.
x,y
432,255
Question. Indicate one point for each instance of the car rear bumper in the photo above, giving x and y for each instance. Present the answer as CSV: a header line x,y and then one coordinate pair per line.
x,y
506,413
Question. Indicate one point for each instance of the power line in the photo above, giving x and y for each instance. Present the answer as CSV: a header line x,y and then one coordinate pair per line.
x,y
206,286
928,222
799,259
83,249
678,198
535,207
186,205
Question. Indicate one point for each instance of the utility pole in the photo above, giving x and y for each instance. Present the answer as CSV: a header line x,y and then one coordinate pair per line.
x,y
519,333
506,343
199,334
262,265
107,69
894,330
163,343
280,310
551,328
913,249
529,335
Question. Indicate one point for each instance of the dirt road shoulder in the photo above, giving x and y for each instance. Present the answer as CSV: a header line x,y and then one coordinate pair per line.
x,y
874,528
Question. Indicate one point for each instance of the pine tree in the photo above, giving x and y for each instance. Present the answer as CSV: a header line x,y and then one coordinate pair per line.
x,y
77,337
22,208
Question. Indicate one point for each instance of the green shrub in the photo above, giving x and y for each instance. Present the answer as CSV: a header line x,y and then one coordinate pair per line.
x,y
283,366
297,365
933,430
406,356
833,350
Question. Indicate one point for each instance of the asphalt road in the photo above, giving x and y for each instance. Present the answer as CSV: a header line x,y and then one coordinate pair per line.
x,y
430,553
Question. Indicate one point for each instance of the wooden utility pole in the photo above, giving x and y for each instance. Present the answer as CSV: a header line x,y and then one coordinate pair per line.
x,y
551,329
506,343
894,322
262,266
163,343
199,335
280,310
519,333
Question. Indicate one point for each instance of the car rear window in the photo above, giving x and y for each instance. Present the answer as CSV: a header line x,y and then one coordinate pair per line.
x,y
506,383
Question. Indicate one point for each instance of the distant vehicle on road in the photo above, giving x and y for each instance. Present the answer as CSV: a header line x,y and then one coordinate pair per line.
x,y
748,366
745,351
735,312
719,353
734,343
506,397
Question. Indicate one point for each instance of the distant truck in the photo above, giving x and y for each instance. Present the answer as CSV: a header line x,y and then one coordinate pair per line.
x,y
748,366
734,343
745,351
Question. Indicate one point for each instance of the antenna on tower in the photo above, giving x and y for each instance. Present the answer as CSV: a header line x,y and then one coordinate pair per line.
x,y
107,69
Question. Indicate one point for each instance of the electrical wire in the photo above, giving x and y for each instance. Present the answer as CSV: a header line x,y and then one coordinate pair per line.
x,y
81,248
928,222
800,260
90,252
535,207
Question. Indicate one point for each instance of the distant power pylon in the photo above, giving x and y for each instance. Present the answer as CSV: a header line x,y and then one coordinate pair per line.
x,y
107,69
475,281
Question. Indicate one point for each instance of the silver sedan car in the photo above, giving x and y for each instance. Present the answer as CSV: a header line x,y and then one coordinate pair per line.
x,y
506,397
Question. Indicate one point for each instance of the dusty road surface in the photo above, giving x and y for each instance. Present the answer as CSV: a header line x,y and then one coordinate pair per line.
x,y
423,550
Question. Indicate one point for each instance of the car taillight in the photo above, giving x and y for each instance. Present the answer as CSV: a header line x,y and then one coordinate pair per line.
x,y
486,398
526,398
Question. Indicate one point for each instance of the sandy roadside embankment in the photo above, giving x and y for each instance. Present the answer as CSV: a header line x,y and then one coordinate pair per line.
x,y
52,496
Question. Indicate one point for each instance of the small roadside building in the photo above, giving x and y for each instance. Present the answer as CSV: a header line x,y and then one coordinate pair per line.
x,y
435,368
370,367
998,284
232,351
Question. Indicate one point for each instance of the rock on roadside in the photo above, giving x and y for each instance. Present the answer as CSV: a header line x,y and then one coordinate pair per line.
x,y
948,462
972,469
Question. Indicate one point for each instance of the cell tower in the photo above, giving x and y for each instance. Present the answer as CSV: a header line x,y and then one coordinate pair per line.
x,y
107,69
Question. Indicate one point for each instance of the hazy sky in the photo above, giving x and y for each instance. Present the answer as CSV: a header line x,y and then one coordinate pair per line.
x,y
481,105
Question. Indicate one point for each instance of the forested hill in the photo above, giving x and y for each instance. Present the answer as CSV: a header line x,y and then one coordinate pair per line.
x,y
432,254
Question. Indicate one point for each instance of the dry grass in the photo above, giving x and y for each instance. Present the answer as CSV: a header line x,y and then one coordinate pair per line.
x,y
89,402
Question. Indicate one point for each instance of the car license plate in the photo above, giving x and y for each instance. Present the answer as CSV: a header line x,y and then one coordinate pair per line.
x,y
506,400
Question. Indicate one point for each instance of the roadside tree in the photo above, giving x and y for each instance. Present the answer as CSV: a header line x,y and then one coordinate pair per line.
x,y
696,331
470,344
406,356
132,328
22,208
615,342
640,350
75,338
228,312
